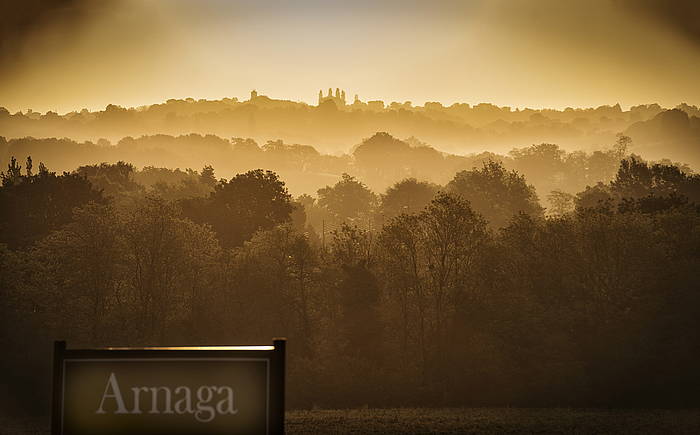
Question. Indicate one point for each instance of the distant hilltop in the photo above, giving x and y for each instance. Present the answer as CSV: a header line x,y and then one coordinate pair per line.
x,y
337,99
481,113
333,126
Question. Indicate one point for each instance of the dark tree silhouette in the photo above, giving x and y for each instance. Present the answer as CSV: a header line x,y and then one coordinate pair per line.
x,y
34,205
241,206
347,199
496,193
407,196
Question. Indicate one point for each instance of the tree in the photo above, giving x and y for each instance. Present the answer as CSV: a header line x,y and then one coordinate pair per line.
x,y
85,257
407,196
352,253
544,160
562,203
113,180
383,159
640,186
598,196
348,199
14,173
168,262
207,177
432,264
34,205
634,179
273,287
243,205
622,145
495,193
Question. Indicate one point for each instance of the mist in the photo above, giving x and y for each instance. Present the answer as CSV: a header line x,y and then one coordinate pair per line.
x,y
527,54
453,216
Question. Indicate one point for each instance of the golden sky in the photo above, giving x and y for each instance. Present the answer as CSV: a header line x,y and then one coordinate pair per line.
x,y
519,53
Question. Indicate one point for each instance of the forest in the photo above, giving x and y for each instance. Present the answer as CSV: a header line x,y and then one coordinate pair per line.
x,y
460,128
474,289
464,216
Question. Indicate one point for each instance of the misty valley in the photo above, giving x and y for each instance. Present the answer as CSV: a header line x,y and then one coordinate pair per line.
x,y
464,287
361,217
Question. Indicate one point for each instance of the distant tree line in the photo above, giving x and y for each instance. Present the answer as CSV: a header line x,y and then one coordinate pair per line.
x,y
468,293
458,128
380,161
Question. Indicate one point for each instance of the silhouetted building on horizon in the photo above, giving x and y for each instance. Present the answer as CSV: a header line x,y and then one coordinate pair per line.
x,y
338,98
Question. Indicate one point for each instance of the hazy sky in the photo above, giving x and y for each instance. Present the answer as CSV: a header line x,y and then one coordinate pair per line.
x,y
66,55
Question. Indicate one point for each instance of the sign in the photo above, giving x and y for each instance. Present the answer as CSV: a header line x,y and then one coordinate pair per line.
x,y
169,390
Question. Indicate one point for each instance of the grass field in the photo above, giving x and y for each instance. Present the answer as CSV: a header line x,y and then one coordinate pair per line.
x,y
465,421
494,421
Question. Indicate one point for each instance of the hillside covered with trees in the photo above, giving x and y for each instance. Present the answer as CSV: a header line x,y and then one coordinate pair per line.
x,y
333,126
465,292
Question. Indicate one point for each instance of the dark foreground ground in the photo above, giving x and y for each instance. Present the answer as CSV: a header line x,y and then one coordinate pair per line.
x,y
494,421
468,421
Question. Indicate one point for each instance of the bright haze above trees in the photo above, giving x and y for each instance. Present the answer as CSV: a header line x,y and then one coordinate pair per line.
x,y
457,128
538,53
379,161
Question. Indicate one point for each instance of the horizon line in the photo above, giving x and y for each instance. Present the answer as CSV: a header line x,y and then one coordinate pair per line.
x,y
137,105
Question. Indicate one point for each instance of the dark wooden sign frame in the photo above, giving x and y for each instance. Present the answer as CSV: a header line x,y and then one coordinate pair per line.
x,y
274,354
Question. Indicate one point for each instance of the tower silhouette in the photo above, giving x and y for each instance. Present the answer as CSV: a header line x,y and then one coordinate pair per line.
x,y
338,98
